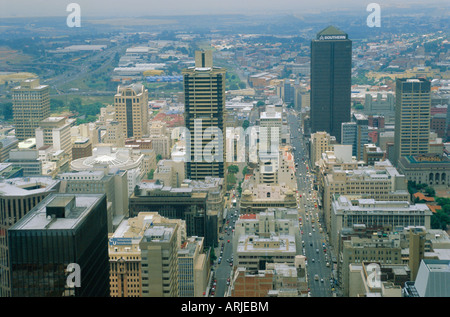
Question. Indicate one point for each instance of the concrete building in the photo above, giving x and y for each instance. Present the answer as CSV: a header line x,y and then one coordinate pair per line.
x,y
31,105
276,171
380,247
431,169
372,154
125,253
114,134
204,92
381,182
320,142
347,212
412,117
433,280
81,148
159,261
356,133
17,197
253,251
382,104
170,173
7,171
131,110
270,123
108,158
259,197
55,132
28,160
372,279
6,145
113,183
277,280
193,268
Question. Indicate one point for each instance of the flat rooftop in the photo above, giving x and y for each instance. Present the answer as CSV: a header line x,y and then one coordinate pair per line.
x,y
37,218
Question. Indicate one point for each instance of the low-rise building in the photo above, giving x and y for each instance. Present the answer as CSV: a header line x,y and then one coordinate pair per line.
x,y
430,169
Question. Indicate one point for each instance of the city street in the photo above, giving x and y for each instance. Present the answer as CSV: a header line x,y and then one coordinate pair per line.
x,y
319,273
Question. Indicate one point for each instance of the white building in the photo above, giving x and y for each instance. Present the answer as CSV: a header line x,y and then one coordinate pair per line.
x,y
107,157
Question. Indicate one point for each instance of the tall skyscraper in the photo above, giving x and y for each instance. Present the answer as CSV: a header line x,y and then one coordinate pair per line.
x,y
31,105
131,109
63,240
331,65
412,117
204,91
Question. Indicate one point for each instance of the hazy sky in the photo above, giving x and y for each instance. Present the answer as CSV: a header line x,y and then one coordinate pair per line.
x,y
114,8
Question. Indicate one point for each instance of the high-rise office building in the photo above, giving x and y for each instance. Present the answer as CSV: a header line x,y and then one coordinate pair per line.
x,y
31,105
17,197
159,261
131,109
331,65
412,117
63,240
204,91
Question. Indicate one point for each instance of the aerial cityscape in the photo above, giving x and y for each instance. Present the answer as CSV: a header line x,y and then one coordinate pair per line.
x,y
230,150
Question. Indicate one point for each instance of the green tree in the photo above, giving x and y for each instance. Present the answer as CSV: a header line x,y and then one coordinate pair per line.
x,y
56,104
245,124
212,255
233,169
150,174
6,110
430,191
158,158
440,220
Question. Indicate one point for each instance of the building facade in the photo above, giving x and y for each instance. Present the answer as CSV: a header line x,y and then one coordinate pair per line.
x,y
31,105
331,64
60,224
131,109
204,92
17,197
412,117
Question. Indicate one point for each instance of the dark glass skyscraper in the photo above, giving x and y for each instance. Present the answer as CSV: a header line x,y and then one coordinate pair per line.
x,y
61,232
331,66
204,95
